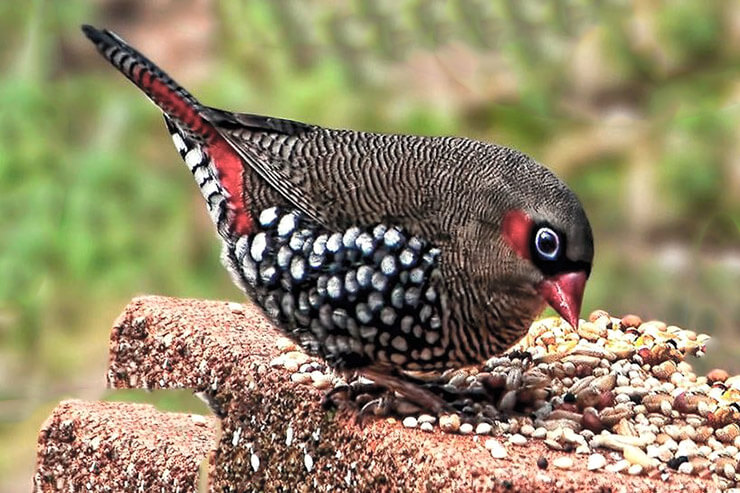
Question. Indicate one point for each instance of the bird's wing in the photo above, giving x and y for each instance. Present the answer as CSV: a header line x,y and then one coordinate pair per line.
x,y
262,142
339,177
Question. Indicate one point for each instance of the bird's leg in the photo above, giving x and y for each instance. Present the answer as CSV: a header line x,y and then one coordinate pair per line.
x,y
409,390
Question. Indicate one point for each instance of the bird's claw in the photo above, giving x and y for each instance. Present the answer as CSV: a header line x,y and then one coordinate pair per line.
x,y
333,398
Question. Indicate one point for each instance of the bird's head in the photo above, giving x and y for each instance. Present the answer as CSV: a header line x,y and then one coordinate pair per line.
x,y
552,243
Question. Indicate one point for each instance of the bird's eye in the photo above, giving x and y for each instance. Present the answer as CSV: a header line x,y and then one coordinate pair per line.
x,y
547,243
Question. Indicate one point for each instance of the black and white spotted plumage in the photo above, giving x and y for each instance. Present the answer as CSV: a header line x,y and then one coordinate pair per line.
x,y
356,297
206,176
375,251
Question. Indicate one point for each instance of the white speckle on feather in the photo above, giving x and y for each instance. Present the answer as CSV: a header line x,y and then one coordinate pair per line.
x,y
179,143
194,157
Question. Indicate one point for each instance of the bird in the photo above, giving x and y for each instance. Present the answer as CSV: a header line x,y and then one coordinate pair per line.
x,y
381,254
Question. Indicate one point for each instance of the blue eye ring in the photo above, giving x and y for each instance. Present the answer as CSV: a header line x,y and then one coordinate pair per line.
x,y
547,243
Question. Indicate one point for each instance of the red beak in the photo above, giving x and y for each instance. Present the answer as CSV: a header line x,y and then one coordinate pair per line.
x,y
564,293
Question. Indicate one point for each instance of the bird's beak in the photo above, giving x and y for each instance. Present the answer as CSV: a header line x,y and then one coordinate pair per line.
x,y
564,292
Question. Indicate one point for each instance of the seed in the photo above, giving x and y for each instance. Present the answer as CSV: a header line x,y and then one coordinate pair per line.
x,y
498,451
618,466
625,427
508,401
723,416
619,442
466,428
705,450
542,462
535,378
728,433
410,422
483,429
637,457
428,427
539,432
610,416
630,321
492,381
559,414
597,314
595,462
717,375
588,397
665,408
284,344
321,380
687,448
527,430
553,444
563,462
591,331
654,401
703,433
449,423
591,421
606,382
300,378
554,424
517,439
686,468
491,443
623,349
581,384
514,379
581,359
726,466
665,370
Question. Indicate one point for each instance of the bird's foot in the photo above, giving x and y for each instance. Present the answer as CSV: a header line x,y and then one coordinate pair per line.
x,y
357,392
336,396
424,399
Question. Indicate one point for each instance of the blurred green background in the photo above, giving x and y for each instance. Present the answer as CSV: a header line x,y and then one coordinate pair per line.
x,y
636,104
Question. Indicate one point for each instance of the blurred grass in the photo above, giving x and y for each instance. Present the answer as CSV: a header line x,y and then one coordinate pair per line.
x,y
635,104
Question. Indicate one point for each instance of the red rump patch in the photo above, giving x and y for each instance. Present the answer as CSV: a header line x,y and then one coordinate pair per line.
x,y
230,170
226,161
173,104
517,230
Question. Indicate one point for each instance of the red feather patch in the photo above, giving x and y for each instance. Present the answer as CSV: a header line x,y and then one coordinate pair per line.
x,y
230,170
173,104
517,230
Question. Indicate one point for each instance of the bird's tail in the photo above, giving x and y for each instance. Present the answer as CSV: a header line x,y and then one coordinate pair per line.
x,y
216,166
177,103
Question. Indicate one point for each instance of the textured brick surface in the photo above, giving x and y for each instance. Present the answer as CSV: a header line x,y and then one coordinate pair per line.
x,y
111,446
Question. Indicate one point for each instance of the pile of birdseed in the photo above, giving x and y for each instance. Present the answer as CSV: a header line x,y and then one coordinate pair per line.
x,y
616,389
